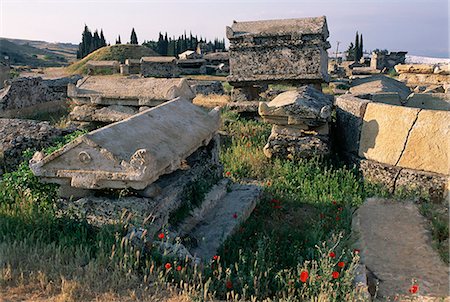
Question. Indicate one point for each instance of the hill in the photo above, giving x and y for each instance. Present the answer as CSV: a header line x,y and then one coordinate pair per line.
x,y
119,53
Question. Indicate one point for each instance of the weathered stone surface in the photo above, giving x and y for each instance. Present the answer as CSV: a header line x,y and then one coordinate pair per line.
x,y
435,89
349,119
414,79
20,135
23,97
211,101
159,66
414,68
108,114
104,90
98,67
384,132
207,87
300,130
428,145
396,247
364,71
442,69
379,84
434,101
303,106
381,59
277,50
221,221
131,153
296,147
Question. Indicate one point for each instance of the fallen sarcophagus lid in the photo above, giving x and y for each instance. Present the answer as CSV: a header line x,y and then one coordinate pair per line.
x,y
103,90
131,153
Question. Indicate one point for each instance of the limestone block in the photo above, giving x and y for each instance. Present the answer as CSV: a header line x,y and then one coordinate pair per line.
x,y
384,132
105,90
434,101
442,69
299,131
132,153
303,106
414,68
108,114
349,119
379,84
413,79
427,148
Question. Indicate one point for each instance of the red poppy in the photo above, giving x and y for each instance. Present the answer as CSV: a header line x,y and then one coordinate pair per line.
x,y
235,215
269,183
168,265
337,218
334,202
161,235
340,209
215,257
335,275
341,264
322,215
356,251
304,276
228,173
229,285
179,268
414,289
275,201
332,254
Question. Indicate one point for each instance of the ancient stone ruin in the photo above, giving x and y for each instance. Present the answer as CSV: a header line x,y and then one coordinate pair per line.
x,y
132,153
102,67
111,99
290,51
163,67
300,123
381,60
426,78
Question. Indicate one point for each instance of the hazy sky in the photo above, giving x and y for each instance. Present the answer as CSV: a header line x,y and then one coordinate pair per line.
x,y
417,26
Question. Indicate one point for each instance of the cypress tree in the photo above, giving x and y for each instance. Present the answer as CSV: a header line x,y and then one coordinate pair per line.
x,y
102,39
361,49
357,47
133,38
118,40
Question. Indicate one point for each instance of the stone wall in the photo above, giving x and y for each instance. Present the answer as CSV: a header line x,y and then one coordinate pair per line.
x,y
163,67
19,135
422,74
394,144
24,97
4,74
382,60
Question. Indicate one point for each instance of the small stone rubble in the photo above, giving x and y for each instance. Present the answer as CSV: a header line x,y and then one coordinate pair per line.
x,y
300,121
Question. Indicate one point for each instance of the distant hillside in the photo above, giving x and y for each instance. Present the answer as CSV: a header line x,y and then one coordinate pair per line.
x,y
36,53
119,53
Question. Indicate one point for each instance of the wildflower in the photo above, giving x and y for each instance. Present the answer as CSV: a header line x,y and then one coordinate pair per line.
x,y
414,289
228,173
269,183
334,202
332,255
335,275
304,276
277,207
215,257
356,251
338,218
229,285
161,235
235,215
340,209
275,201
179,268
168,265
249,145
341,264
322,215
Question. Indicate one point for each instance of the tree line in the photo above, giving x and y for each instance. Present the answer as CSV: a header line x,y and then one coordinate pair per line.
x,y
167,46
355,51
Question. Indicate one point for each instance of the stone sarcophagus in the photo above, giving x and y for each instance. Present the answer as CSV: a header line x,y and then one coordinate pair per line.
x,y
291,50
132,153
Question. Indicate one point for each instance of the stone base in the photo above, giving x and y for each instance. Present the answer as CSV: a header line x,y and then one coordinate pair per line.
x,y
282,146
398,179
247,93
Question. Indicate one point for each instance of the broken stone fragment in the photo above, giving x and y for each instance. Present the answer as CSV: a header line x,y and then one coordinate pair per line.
x,y
306,105
132,153
414,68
379,84
108,114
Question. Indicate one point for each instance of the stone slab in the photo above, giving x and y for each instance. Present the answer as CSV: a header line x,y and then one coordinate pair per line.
x,y
428,145
379,84
415,79
131,153
384,132
414,68
223,220
105,90
434,101
107,114
396,247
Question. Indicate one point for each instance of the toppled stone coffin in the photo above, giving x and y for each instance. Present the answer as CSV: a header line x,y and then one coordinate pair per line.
x,y
131,153
306,106
379,84
103,90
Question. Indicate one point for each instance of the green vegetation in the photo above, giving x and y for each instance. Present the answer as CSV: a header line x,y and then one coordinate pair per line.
x,y
296,245
115,53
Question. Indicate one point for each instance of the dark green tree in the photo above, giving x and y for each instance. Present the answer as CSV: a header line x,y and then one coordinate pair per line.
x,y
357,47
361,48
133,38
118,40
102,39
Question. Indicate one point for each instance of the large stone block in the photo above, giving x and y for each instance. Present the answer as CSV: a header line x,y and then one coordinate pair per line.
x,y
349,118
379,84
434,101
428,144
132,153
414,68
277,50
104,90
305,105
414,79
385,131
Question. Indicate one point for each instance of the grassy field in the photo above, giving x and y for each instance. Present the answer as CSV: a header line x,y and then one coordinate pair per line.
x,y
296,246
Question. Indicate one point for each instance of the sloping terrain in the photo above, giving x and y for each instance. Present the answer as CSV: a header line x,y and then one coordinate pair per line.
x,y
26,54
119,53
